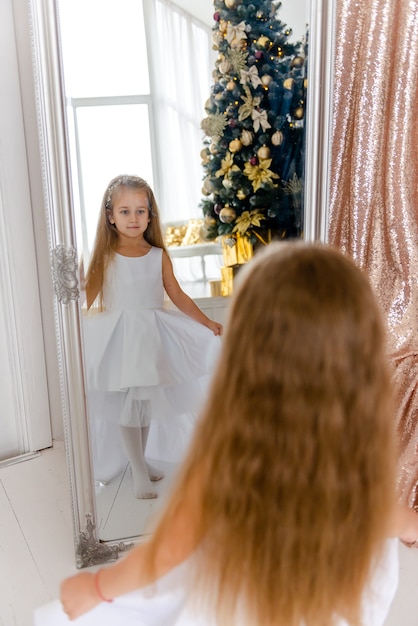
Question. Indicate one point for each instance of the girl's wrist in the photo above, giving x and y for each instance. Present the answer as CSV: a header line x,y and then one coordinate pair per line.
x,y
98,588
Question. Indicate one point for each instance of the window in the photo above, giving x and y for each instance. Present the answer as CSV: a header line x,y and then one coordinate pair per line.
x,y
136,77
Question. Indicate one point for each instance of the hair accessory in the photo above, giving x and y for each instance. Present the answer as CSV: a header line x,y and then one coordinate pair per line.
x,y
97,587
122,180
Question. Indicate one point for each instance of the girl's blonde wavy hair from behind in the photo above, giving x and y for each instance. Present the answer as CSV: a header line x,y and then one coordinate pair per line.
x,y
295,448
107,235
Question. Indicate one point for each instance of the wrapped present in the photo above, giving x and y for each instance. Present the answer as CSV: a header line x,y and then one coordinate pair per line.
x,y
215,288
193,233
174,235
227,283
236,249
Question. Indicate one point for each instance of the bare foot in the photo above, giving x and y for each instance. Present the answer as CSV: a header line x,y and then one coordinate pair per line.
x,y
155,474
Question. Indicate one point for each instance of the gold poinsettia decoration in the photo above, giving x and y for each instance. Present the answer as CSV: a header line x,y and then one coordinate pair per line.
x,y
227,166
238,59
260,173
250,103
214,125
247,220
293,187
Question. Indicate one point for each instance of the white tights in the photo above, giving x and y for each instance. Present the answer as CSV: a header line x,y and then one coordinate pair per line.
x,y
134,441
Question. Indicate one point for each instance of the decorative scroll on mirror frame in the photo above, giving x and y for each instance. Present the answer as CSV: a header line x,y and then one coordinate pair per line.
x,y
58,199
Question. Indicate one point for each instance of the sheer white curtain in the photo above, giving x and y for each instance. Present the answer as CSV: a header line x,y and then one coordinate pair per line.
x,y
181,64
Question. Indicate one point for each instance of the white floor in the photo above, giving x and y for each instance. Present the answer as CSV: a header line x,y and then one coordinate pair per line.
x,y
37,551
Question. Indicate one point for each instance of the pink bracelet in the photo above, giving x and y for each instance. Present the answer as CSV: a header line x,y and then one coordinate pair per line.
x,y
97,586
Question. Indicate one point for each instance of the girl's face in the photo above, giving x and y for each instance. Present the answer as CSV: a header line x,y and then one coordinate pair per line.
x,y
130,212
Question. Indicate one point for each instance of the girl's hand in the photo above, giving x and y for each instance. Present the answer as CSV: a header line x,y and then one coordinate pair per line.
x,y
215,327
79,595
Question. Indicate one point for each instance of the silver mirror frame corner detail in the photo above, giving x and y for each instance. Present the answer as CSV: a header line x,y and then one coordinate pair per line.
x,y
56,173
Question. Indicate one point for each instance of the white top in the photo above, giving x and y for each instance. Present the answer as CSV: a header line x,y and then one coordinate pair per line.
x,y
167,603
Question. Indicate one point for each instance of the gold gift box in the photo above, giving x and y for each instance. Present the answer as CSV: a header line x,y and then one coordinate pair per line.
x,y
227,283
236,249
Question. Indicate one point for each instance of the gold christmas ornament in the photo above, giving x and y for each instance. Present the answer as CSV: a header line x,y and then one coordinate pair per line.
x,y
246,137
227,183
266,79
213,148
209,220
299,113
230,85
241,195
277,138
225,66
297,62
263,41
208,186
232,4
227,215
263,152
288,83
235,145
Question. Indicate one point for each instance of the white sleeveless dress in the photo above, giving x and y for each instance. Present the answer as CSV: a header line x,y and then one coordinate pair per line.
x,y
169,602
145,363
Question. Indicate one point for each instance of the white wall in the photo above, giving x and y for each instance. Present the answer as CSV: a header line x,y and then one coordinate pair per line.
x,y
294,13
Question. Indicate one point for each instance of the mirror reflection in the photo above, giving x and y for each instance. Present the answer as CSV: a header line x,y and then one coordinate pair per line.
x,y
137,92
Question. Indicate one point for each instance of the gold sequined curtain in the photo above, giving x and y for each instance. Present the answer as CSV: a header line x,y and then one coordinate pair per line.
x,y
374,183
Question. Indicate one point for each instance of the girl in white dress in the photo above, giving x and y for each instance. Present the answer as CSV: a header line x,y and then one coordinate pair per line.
x,y
284,507
143,361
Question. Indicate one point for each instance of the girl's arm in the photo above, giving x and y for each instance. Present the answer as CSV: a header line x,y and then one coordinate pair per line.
x,y
176,541
182,301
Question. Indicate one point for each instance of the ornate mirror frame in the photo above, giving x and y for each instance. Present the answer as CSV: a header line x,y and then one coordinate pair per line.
x,y
58,201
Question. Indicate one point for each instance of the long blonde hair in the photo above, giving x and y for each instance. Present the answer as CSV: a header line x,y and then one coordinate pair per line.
x,y
107,235
295,448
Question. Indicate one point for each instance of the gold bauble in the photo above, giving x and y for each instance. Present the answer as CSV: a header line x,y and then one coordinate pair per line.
x,y
297,62
227,215
208,186
223,26
227,183
209,220
241,195
288,83
235,145
238,43
225,66
263,41
246,137
213,148
277,138
263,152
266,79
299,113
205,156
232,4
230,85
305,83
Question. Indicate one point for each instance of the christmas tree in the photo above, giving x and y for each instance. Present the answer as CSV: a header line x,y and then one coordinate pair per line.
x,y
253,156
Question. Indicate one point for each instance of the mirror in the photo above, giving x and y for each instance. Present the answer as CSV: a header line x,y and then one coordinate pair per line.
x,y
106,516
